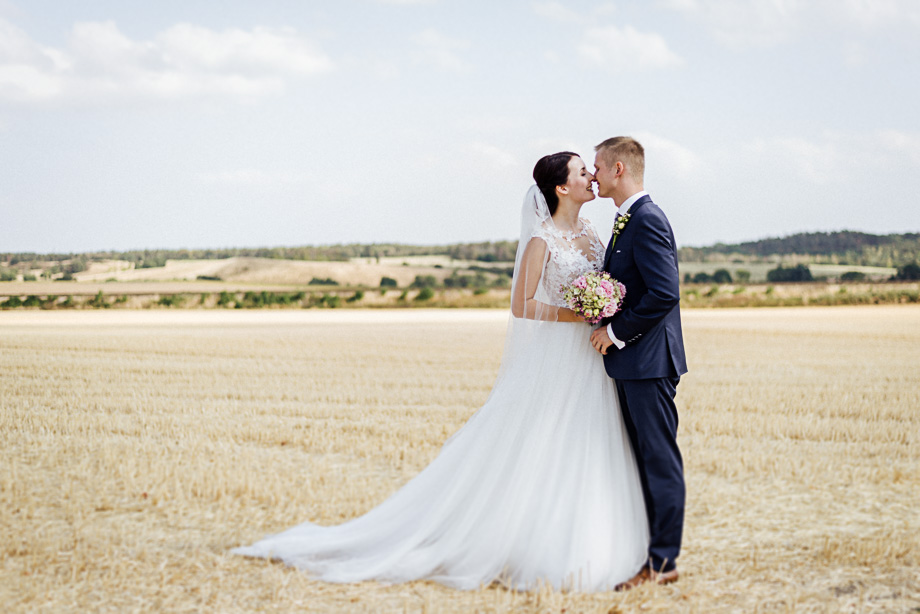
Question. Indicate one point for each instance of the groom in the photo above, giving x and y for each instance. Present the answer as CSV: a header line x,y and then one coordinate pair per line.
x,y
643,347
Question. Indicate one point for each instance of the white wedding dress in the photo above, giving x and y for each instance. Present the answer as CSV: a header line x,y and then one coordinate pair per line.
x,y
540,487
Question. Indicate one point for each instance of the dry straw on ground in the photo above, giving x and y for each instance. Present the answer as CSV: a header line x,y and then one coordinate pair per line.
x,y
138,447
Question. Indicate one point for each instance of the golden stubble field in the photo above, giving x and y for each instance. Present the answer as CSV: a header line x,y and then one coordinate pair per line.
x,y
138,447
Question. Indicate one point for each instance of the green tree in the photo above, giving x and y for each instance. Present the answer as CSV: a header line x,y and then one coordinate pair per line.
x,y
853,276
457,281
171,300
799,272
908,272
99,302
722,276
425,281
702,278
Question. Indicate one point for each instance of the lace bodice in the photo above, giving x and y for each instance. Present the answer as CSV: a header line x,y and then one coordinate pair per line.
x,y
566,260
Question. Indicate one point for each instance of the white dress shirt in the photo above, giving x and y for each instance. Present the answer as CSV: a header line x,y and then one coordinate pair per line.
x,y
622,210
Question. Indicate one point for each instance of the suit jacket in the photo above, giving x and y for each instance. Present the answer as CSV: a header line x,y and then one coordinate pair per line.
x,y
644,259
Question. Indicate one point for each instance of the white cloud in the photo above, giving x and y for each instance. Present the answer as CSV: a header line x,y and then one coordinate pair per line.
x,y
815,161
626,49
749,23
764,23
900,145
183,61
442,50
665,155
28,71
876,13
240,51
21,83
836,157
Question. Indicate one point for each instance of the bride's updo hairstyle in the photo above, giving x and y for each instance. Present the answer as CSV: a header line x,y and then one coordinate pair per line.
x,y
550,171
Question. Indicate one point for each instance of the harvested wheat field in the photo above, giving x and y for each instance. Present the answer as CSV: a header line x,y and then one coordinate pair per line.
x,y
138,447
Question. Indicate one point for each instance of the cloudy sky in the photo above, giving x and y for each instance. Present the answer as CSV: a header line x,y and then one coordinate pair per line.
x,y
195,123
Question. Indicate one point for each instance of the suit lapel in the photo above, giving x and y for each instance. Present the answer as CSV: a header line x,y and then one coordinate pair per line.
x,y
608,252
632,210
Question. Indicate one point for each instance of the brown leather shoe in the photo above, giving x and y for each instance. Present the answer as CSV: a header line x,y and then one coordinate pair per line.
x,y
646,574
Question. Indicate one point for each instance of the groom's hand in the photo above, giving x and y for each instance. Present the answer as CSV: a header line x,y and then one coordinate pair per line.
x,y
601,340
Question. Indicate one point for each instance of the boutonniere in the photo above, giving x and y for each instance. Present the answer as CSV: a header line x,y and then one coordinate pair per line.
x,y
618,227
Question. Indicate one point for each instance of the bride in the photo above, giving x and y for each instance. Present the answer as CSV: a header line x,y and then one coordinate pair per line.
x,y
540,486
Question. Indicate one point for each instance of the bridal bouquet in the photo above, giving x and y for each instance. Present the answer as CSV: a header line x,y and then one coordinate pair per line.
x,y
594,296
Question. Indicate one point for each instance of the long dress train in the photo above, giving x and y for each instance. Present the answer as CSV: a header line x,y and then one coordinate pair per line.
x,y
540,486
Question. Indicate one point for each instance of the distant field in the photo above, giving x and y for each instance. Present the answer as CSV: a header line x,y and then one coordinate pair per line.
x,y
139,446
368,272
246,272
90,288
263,271
834,270
759,270
232,295
431,261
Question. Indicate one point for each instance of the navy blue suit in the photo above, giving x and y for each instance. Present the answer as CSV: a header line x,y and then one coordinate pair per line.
x,y
648,369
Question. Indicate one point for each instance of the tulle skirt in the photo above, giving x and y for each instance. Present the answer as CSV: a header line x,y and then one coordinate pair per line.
x,y
539,487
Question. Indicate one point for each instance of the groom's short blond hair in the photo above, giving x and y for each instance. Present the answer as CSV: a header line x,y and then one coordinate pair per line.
x,y
624,149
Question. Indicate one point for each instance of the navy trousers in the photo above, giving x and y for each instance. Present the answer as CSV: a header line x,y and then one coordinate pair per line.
x,y
651,422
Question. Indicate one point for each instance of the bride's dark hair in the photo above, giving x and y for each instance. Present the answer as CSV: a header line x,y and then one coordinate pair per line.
x,y
550,171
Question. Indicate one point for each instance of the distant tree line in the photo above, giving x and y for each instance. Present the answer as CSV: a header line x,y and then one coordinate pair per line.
x,y
844,247
489,251
456,280
720,276
798,273
498,251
